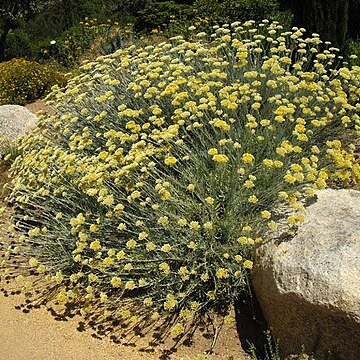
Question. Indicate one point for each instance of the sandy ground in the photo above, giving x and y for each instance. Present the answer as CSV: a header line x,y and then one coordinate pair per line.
x,y
38,105
38,334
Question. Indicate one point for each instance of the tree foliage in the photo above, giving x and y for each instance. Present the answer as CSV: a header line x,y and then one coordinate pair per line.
x,y
12,12
15,10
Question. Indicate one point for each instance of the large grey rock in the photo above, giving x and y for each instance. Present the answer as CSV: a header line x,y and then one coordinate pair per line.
x,y
309,286
15,121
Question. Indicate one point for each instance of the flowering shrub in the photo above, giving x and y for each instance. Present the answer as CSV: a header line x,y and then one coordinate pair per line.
x,y
165,166
23,81
73,43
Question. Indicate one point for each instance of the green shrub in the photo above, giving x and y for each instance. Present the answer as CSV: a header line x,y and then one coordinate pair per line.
x,y
58,21
163,167
8,151
68,49
240,10
271,349
119,38
354,53
61,16
23,81
19,45
164,16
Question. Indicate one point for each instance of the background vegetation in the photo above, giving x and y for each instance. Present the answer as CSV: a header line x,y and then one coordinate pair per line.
x,y
40,40
65,32
27,27
23,81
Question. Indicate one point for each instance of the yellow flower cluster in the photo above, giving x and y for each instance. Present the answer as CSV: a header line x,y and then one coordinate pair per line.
x,y
164,166
23,81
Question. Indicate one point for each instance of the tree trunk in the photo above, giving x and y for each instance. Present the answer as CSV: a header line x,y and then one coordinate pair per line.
x,y
329,18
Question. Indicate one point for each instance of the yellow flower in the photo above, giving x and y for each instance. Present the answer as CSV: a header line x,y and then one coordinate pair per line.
x,y
212,151
253,199
248,264
182,222
166,248
283,195
119,208
41,269
164,194
33,262
272,225
208,225
94,228
148,301
134,195
170,161
150,246
165,268
247,228
222,273
92,278
122,226
194,305
192,245
247,158
241,171
34,232
170,302
242,240
191,187
128,267
290,178
249,184
155,316
163,220
143,235
268,162
220,158
209,200
194,225
108,261
59,216
223,125
131,244
95,245
120,255
130,285
184,273
108,200
266,214
115,281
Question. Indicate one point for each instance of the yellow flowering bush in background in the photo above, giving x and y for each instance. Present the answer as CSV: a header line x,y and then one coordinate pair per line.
x,y
165,166
22,81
